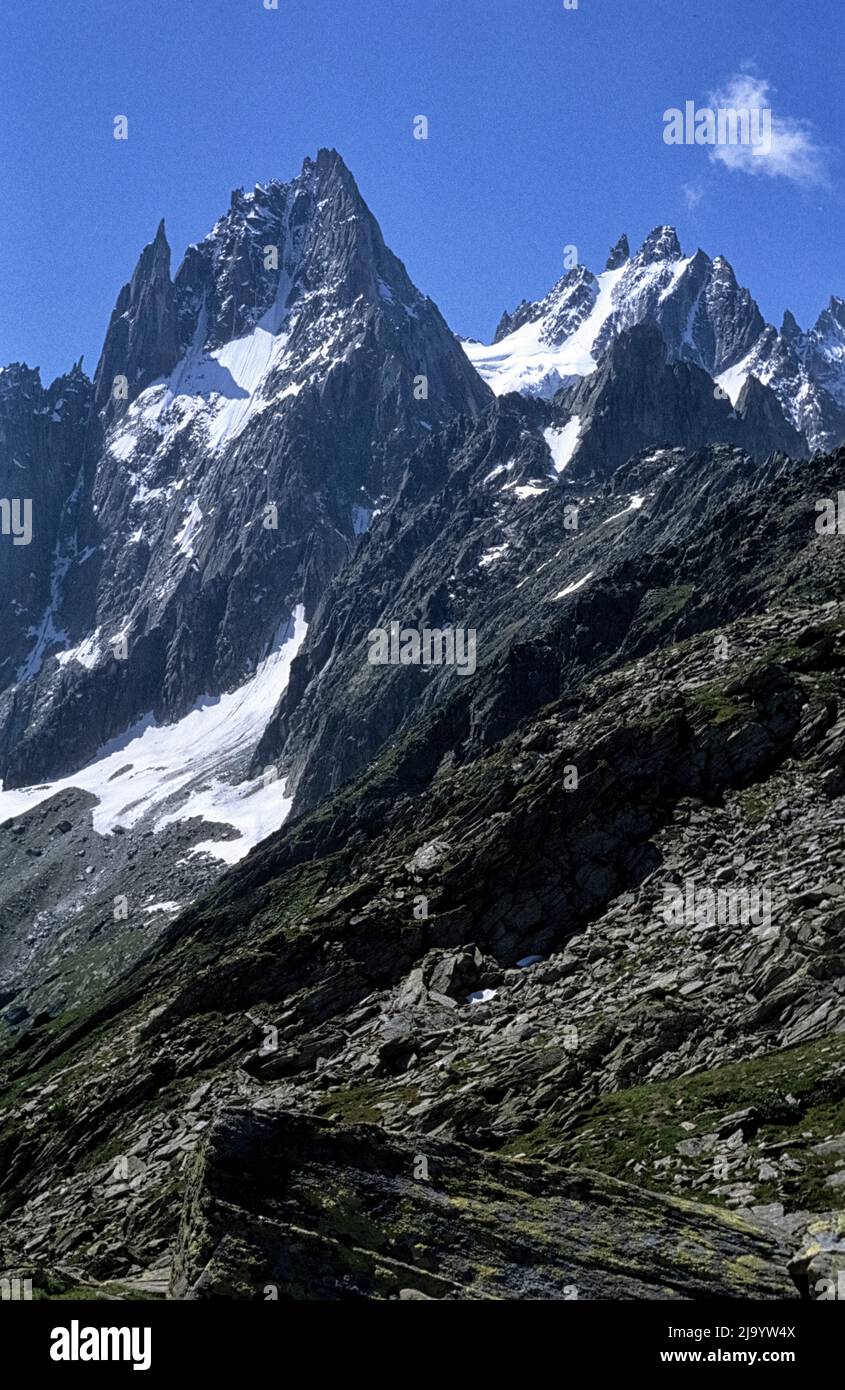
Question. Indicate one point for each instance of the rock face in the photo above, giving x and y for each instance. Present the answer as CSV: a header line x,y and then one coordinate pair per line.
x,y
336,1213
273,392
619,254
639,398
47,443
142,342
805,370
485,505
705,317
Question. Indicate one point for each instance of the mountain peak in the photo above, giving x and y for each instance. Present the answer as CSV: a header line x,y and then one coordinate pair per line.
x,y
327,160
789,329
154,260
836,308
661,244
619,254
142,340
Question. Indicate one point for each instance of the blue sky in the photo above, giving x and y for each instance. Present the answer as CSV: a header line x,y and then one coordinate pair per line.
x,y
545,131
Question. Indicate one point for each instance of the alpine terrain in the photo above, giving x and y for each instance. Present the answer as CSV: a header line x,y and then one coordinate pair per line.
x,y
423,784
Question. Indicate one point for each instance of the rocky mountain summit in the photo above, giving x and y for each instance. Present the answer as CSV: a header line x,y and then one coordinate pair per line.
x,y
259,413
705,318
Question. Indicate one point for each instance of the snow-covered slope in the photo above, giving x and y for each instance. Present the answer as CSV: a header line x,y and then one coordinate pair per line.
x,y
539,357
705,316
805,370
162,773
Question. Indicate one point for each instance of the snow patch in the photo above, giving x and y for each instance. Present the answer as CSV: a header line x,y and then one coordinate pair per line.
x,y
525,362
573,588
493,555
733,380
633,506
87,654
123,445
498,471
187,534
562,442
524,490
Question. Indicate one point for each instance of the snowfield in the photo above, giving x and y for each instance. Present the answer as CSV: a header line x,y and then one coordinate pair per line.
x,y
172,772
563,442
524,362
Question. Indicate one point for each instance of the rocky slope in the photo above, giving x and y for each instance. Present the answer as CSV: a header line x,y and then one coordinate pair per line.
x,y
492,529
457,979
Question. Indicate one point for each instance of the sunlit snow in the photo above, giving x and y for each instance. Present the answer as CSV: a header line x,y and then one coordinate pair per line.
x,y
633,506
150,765
87,654
524,362
524,490
494,554
562,442
572,588
733,380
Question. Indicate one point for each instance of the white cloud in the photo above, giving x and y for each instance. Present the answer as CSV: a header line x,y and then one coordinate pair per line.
x,y
693,193
792,152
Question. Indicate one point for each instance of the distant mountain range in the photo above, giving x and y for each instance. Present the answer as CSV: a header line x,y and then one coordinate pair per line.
x,y
705,317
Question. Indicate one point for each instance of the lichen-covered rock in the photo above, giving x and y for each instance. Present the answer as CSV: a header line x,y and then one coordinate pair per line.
x,y
278,1206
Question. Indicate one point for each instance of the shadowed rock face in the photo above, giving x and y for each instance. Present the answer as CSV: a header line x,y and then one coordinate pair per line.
x,y
279,1203
639,398
142,341
509,556
47,445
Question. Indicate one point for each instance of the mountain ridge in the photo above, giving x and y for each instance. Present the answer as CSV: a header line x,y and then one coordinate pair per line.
x,y
705,316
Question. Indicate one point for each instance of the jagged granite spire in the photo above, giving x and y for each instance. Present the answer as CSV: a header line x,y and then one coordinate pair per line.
x,y
142,341
619,254
304,367
661,244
